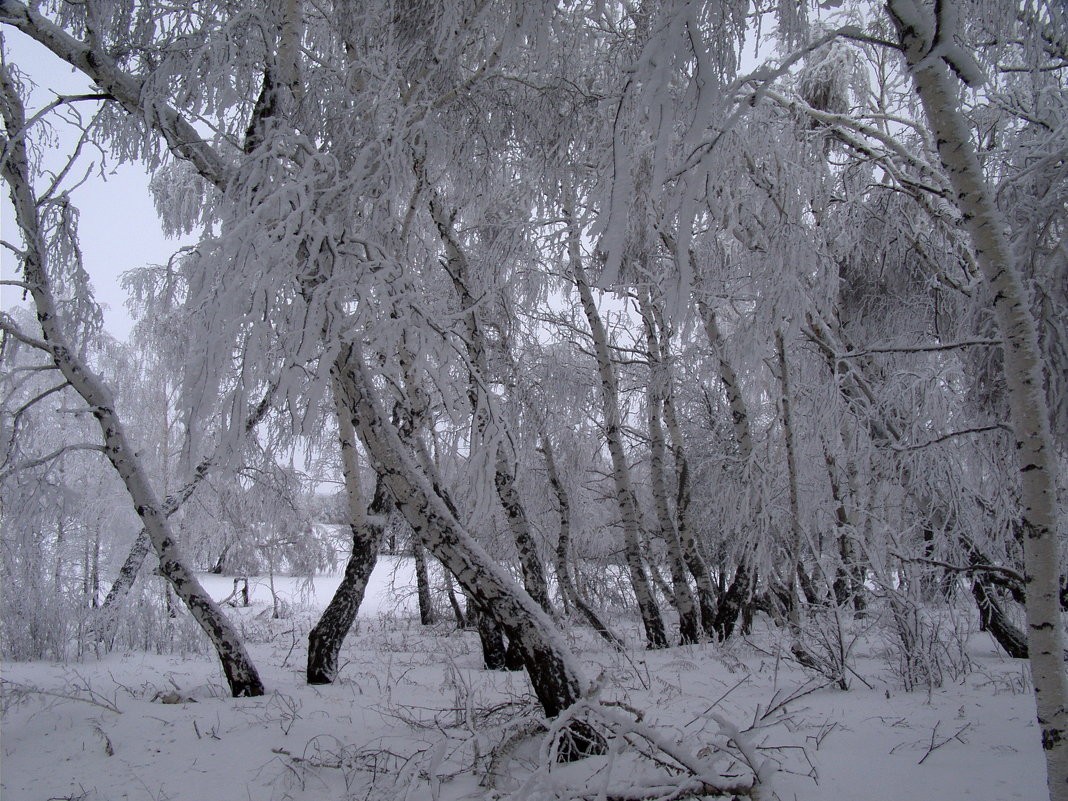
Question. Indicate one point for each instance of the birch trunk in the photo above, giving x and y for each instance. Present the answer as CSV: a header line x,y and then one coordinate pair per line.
x,y
743,436
131,566
1022,364
655,635
843,587
328,635
568,592
689,628
422,585
459,271
732,601
794,546
556,679
240,673
691,550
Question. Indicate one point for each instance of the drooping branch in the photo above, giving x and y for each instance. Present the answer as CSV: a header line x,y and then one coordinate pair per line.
x,y
29,464
239,670
929,58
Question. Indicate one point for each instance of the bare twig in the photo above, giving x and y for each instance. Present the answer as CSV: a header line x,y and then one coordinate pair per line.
x,y
935,746
980,568
95,699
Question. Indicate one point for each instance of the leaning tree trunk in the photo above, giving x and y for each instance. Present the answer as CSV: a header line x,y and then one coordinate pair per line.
x,y
240,673
655,635
1022,364
328,635
691,551
554,675
568,592
458,267
689,625
131,566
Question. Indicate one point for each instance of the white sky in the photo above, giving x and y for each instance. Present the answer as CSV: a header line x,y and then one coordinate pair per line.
x,y
119,228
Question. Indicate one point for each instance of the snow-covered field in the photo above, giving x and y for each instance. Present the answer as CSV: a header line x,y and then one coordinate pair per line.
x,y
414,716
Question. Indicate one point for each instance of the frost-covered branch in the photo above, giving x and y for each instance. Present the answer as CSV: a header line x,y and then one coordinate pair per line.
x,y
29,464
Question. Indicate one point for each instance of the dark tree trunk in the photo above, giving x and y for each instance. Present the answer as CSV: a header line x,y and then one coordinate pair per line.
x,y
422,583
732,601
695,562
490,635
454,603
992,618
326,639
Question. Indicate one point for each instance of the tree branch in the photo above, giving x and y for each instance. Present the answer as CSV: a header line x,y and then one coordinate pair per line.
x,y
1015,575
31,463
8,326
932,348
950,435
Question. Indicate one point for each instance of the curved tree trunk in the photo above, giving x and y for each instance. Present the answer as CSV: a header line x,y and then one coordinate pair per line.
x,y
328,635
655,635
240,673
1022,364
556,679
568,591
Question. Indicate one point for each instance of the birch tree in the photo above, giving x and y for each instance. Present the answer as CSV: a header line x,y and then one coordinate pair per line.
x,y
36,259
931,51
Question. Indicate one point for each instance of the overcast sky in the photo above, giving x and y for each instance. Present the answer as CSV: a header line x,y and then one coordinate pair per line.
x,y
119,229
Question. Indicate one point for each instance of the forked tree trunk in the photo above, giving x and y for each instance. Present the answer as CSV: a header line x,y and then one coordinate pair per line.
x,y
1022,364
733,600
691,551
655,635
685,605
240,673
328,635
556,679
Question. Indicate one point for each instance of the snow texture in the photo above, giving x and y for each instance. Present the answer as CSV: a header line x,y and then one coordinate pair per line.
x,y
413,715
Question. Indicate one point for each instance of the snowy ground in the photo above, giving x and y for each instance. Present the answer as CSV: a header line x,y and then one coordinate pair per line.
x,y
414,717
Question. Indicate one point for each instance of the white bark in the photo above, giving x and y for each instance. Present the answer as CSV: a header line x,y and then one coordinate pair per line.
x,y
240,672
556,679
613,426
691,551
1022,364
685,603
477,351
